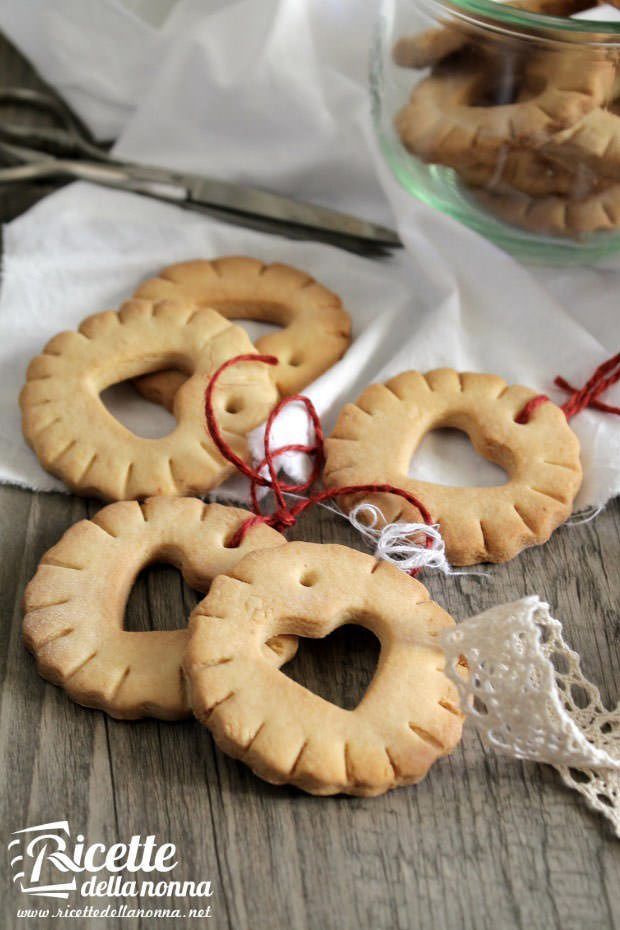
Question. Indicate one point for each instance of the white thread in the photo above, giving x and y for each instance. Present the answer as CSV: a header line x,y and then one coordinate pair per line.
x,y
407,556
403,544
584,516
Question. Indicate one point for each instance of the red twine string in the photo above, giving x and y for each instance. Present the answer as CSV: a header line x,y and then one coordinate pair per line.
x,y
603,378
528,410
284,515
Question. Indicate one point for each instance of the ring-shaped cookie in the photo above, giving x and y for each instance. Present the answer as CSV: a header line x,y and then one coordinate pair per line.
x,y
407,719
316,330
75,604
593,142
433,46
375,438
78,439
523,171
555,215
444,121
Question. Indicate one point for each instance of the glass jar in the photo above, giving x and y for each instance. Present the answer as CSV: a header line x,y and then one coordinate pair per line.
x,y
506,117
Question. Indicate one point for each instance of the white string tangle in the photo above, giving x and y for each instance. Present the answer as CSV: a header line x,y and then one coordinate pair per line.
x,y
403,544
584,516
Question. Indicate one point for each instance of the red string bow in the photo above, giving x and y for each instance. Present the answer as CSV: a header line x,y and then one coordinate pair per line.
x,y
603,378
284,515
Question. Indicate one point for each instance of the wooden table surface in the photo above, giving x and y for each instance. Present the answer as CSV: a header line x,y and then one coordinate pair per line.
x,y
483,842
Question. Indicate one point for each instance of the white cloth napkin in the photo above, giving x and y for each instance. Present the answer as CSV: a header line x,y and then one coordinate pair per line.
x,y
273,92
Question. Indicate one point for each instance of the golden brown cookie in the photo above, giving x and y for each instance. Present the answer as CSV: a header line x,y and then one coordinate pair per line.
x,y
593,142
557,215
375,438
75,604
407,719
316,329
76,438
430,47
451,120
433,46
525,171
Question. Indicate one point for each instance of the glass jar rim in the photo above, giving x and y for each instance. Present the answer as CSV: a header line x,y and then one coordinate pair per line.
x,y
503,16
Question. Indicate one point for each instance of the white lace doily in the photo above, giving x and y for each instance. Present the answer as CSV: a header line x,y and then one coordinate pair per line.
x,y
528,697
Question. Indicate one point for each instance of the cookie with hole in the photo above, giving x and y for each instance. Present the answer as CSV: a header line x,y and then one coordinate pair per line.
x,y
74,606
316,329
555,215
593,142
77,439
375,438
432,46
529,172
454,116
409,716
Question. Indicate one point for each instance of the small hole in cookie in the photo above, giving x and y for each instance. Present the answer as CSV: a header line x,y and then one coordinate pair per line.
x,y
160,600
309,579
143,415
509,82
234,405
447,457
295,361
257,318
502,94
338,667
230,541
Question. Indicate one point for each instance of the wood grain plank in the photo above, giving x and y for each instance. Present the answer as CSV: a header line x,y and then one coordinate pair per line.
x,y
481,842
51,748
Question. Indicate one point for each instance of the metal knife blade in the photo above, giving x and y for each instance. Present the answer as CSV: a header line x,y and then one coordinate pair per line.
x,y
254,202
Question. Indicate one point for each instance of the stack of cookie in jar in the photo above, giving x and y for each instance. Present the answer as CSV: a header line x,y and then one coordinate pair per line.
x,y
175,338
532,129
